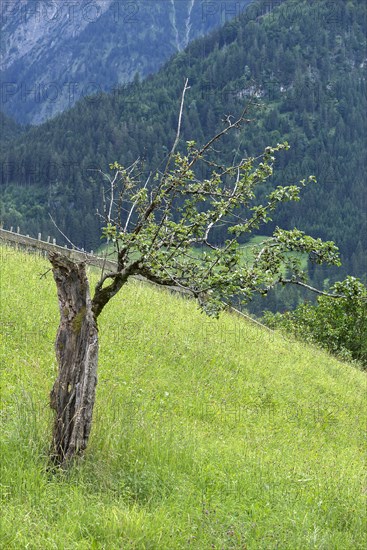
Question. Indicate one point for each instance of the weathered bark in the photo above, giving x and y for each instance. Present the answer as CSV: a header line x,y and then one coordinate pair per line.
x,y
73,394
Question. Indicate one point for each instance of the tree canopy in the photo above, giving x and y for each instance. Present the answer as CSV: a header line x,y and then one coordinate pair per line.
x,y
164,230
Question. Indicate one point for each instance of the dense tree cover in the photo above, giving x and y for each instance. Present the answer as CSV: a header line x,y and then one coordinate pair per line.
x,y
339,325
304,62
9,129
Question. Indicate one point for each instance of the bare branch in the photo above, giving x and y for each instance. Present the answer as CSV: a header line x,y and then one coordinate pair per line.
x,y
304,285
186,87
63,234
134,205
112,183
230,126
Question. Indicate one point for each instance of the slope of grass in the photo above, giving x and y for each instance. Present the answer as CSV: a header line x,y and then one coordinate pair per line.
x,y
247,251
207,434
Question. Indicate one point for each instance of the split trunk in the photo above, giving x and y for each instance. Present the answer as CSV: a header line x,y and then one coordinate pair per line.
x,y
73,393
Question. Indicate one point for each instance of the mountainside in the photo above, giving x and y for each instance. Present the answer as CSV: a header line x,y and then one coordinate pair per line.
x,y
206,433
9,129
54,53
305,62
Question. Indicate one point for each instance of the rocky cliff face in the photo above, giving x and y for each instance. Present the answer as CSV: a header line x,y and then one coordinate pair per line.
x,y
55,52
30,27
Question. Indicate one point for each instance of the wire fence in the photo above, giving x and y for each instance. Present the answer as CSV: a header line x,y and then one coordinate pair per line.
x,y
43,247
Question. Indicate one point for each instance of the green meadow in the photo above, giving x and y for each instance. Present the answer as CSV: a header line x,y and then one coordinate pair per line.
x,y
247,251
208,434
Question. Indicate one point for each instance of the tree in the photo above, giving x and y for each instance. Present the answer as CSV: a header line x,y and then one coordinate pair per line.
x,y
339,326
162,228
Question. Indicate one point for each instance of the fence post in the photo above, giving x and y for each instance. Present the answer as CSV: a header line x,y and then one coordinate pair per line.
x,y
11,229
39,236
48,239
18,230
54,242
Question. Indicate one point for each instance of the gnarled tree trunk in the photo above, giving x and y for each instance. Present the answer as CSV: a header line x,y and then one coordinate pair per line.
x,y
73,394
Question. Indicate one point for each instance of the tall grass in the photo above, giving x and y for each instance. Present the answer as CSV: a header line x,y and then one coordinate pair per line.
x,y
207,434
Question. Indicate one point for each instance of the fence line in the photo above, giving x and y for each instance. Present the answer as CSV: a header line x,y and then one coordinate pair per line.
x,y
28,242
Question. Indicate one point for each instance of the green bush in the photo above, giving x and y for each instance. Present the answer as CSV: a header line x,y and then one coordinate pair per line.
x,y
337,324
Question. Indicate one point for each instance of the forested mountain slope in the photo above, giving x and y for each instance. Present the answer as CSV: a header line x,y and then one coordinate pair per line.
x,y
9,129
54,53
304,61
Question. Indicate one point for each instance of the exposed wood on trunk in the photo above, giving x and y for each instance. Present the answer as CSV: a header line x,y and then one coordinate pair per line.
x,y
73,394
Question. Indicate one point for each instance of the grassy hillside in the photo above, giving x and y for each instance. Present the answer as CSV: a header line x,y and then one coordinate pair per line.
x,y
207,434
